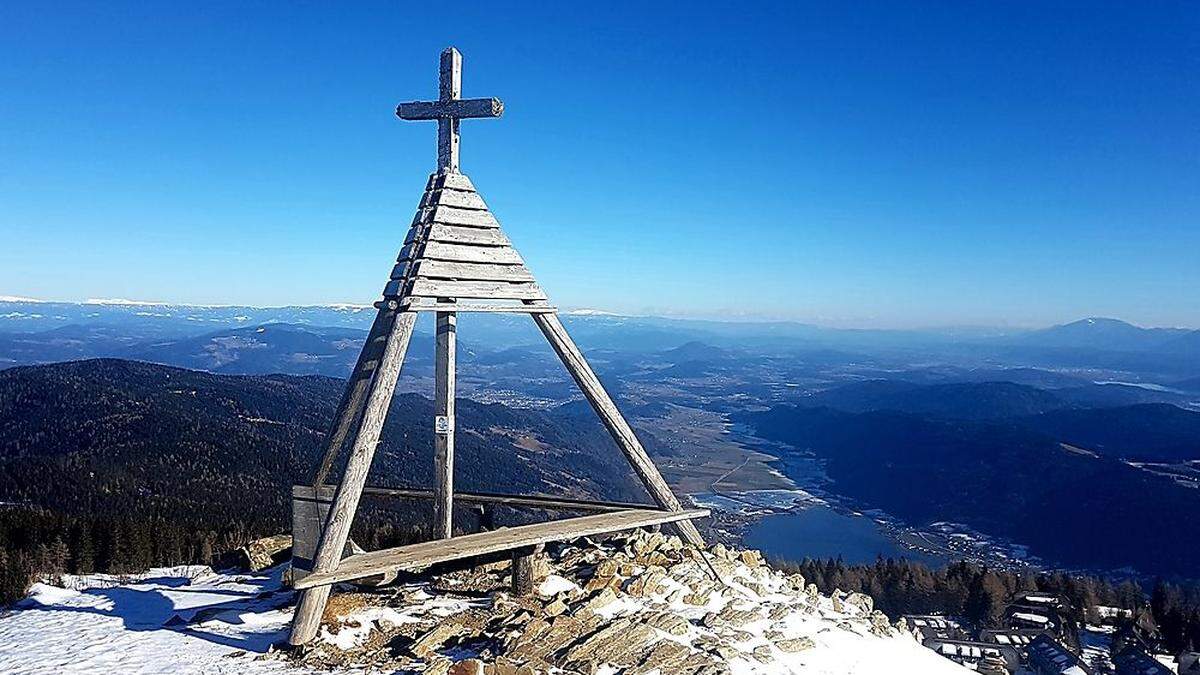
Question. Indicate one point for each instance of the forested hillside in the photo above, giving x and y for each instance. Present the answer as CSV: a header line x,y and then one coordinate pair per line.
x,y
115,465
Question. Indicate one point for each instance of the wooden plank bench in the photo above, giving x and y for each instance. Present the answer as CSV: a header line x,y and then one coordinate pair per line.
x,y
419,556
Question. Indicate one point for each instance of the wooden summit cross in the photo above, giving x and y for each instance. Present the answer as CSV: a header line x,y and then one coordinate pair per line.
x,y
455,259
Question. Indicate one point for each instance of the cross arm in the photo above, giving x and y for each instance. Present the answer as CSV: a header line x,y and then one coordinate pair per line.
x,y
455,108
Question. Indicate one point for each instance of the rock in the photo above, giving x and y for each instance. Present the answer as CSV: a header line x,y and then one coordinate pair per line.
x,y
751,558
606,568
720,552
669,623
780,612
601,599
812,591
880,624
470,622
797,645
623,643
260,553
467,667
863,602
738,617
763,654
796,581
666,656
438,665
555,607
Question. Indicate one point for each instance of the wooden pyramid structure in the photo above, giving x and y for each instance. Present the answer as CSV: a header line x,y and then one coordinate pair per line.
x,y
455,259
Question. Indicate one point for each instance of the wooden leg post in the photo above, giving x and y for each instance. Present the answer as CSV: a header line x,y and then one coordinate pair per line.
x,y
524,569
443,446
345,501
590,385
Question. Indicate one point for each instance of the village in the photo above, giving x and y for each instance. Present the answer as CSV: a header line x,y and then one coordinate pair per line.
x,y
1043,634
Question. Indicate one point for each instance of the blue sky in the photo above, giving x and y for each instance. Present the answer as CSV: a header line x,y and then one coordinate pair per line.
x,y
884,164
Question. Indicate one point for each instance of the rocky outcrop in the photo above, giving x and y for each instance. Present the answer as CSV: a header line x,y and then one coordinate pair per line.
x,y
637,603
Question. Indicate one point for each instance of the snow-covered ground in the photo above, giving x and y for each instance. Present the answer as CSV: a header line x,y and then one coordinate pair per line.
x,y
192,620
168,620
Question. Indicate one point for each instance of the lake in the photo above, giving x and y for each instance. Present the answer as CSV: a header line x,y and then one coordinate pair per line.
x,y
821,532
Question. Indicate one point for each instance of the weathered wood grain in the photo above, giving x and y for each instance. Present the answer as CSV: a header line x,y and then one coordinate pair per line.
x,y
444,269
440,250
419,556
449,109
463,108
492,290
341,514
620,430
452,215
443,437
524,569
455,198
458,234
451,181
429,305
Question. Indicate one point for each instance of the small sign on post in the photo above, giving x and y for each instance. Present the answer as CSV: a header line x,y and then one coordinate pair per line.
x,y
441,425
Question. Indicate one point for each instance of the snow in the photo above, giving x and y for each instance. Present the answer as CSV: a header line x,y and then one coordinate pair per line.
x,y
106,624
17,298
122,301
1034,618
192,620
585,311
553,585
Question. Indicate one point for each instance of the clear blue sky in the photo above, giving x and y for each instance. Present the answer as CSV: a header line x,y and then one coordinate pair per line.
x,y
884,164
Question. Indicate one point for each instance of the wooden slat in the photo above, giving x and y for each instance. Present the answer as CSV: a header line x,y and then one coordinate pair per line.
x,y
419,556
455,198
492,290
455,216
451,181
440,250
442,269
418,305
457,234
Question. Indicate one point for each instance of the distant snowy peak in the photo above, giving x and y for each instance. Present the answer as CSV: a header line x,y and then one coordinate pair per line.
x,y
17,298
124,302
585,311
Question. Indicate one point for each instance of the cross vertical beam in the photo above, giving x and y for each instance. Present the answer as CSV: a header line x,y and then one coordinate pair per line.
x,y
449,109
443,445
449,89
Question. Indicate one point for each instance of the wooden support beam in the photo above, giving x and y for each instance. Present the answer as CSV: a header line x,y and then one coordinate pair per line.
x,y
354,395
325,493
345,502
422,555
443,447
525,569
621,432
